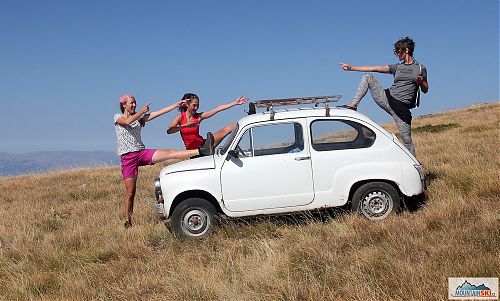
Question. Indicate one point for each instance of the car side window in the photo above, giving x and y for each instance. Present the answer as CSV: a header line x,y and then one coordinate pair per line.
x,y
277,138
271,139
329,135
244,147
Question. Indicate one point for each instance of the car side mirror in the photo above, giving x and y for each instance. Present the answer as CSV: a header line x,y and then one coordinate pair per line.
x,y
231,154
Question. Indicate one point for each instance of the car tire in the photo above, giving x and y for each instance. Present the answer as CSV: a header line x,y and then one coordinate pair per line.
x,y
376,200
193,218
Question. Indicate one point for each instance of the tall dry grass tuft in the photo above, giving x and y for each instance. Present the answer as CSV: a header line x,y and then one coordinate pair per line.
x,y
61,235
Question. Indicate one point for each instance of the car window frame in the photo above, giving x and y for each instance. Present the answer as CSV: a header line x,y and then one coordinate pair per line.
x,y
297,134
335,146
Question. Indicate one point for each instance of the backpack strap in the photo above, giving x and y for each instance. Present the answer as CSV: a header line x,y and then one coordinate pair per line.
x,y
417,97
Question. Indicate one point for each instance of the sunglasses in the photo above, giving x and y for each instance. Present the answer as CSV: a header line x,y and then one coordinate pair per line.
x,y
399,51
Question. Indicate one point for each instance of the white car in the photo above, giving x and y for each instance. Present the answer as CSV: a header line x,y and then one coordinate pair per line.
x,y
287,161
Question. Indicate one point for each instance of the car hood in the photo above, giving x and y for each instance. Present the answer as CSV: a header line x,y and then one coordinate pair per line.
x,y
200,163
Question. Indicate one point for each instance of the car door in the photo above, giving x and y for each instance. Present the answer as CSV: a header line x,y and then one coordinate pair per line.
x,y
341,152
272,168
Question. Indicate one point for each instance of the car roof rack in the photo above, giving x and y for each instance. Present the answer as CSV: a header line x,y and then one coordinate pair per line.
x,y
269,104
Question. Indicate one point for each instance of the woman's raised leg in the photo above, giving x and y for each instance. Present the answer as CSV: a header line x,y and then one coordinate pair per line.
x,y
368,82
222,133
166,154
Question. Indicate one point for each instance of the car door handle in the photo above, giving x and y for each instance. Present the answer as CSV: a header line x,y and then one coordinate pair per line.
x,y
302,158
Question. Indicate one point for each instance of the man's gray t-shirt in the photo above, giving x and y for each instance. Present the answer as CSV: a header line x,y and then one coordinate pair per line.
x,y
404,88
128,137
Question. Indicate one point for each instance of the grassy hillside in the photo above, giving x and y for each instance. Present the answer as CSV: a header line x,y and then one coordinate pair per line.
x,y
61,235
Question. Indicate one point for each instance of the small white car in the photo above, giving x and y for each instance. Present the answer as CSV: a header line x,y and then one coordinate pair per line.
x,y
285,161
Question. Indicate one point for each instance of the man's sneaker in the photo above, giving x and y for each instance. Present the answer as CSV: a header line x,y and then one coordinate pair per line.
x,y
348,107
251,108
208,147
127,224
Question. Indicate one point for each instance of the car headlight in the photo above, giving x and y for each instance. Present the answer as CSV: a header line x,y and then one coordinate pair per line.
x,y
157,189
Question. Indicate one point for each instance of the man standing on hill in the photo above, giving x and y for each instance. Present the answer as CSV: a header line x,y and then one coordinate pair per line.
x,y
403,95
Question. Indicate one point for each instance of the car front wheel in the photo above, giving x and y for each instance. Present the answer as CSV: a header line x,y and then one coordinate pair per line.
x,y
376,200
193,218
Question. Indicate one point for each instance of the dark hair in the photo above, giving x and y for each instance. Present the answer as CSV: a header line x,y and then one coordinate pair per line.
x,y
403,44
188,97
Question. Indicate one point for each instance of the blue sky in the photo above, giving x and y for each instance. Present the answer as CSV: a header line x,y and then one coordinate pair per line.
x,y
64,64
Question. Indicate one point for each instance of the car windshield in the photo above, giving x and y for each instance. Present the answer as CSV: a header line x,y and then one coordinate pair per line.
x,y
229,140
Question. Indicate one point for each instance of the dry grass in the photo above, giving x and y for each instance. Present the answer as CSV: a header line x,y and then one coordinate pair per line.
x,y
61,236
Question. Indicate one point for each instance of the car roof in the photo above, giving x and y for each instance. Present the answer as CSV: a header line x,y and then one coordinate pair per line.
x,y
303,113
312,112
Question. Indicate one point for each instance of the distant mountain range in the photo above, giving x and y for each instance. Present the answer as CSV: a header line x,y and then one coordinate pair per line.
x,y
36,162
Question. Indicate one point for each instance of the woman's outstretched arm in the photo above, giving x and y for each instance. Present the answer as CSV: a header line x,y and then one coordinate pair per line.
x,y
166,109
238,101
381,69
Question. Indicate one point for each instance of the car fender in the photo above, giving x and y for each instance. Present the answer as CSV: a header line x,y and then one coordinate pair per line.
x,y
177,183
348,176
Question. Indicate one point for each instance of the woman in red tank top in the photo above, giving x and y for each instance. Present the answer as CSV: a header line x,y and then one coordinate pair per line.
x,y
188,121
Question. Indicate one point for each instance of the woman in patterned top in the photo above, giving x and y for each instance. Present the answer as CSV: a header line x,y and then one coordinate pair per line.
x,y
132,151
188,122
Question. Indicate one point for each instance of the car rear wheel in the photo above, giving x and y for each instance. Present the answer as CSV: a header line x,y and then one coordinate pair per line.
x,y
376,200
193,218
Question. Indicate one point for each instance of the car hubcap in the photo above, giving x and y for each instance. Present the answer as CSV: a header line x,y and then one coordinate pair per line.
x,y
195,221
376,204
